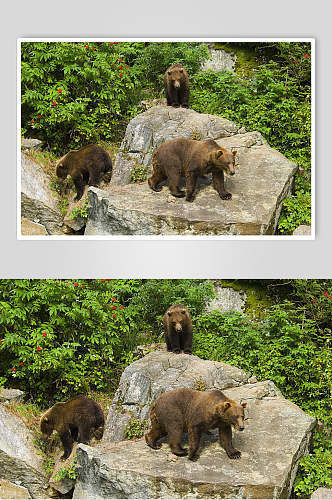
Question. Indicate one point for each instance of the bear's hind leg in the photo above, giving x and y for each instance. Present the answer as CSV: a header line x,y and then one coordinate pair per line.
x,y
191,179
194,440
174,440
173,185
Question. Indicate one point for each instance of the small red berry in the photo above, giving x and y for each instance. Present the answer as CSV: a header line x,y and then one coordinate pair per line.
x,y
110,43
113,307
75,284
32,121
108,280
87,46
83,286
39,348
326,294
121,307
114,300
13,369
114,315
44,334
115,43
120,67
59,90
306,55
39,116
120,74
120,60
21,363
54,103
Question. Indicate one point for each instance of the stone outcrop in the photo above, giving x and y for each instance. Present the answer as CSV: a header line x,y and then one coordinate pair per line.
x,y
276,435
144,380
322,494
19,461
38,202
31,145
219,60
227,300
8,395
29,228
58,481
263,180
11,490
302,230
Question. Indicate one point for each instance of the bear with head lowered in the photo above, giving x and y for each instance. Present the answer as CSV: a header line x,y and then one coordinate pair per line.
x,y
190,158
195,412
74,420
86,166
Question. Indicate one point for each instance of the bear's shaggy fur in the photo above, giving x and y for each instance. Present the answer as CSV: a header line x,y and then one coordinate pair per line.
x,y
74,420
86,166
190,158
176,83
178,329
182,410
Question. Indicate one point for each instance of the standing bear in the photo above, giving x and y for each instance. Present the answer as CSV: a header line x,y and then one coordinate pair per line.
x,y
176,83
178,329
195,412
190,158
86,166
74,420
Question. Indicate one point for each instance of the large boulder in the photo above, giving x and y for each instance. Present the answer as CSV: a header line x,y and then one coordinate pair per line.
x,y
11,490
148,130
145,379
263,180
20,462
276,435
38,202
322,494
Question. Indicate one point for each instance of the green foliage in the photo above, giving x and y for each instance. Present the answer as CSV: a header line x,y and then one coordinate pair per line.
x,y
315,469
75,93
297,210
158,56
48,465
67,472
199,385
81,210
135,428
139,173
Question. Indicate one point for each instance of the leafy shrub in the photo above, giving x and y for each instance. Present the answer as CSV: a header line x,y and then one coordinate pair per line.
x,y
139,173
135,428
75,93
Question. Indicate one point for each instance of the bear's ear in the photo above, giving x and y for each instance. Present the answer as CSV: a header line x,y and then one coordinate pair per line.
x,y
169,313
183,311
219,153
226,405
169,73
234,153
45,419
181,70
244,405
61,171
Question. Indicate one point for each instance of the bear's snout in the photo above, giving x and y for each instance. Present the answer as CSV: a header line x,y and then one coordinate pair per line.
x,y
232,173
241,428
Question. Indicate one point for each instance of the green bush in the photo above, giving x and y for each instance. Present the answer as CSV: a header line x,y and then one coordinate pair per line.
x,y
73,93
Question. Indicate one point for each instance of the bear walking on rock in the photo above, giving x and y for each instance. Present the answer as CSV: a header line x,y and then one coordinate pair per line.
x,y
86,166
178,329
195,412
190,158
74,420
176,86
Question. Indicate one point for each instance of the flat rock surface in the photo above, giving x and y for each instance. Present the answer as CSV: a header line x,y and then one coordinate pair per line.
x,y
263,180
276,436
19,459
145,379
38,202
29,228
12,490
322,493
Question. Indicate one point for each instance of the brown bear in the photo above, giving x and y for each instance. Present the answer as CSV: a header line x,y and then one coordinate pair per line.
x,y
86,166
191,158
74,420
178,329
176,83
182,410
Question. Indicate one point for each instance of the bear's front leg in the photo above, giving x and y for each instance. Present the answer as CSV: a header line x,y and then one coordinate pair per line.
x,y
79,185
191,178
194,440
67,443
186,341
225,437
219,185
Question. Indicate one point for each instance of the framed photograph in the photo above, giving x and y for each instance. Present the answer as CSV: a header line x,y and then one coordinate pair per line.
x,y
166,138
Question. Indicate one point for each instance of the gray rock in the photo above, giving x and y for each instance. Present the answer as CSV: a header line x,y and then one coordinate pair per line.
x,y
29,228
7,395
148,130
276,436
31,144
322,493
19,459
302,230
227,300
11,490
219,60
144,380
263,180
63,484
38,202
